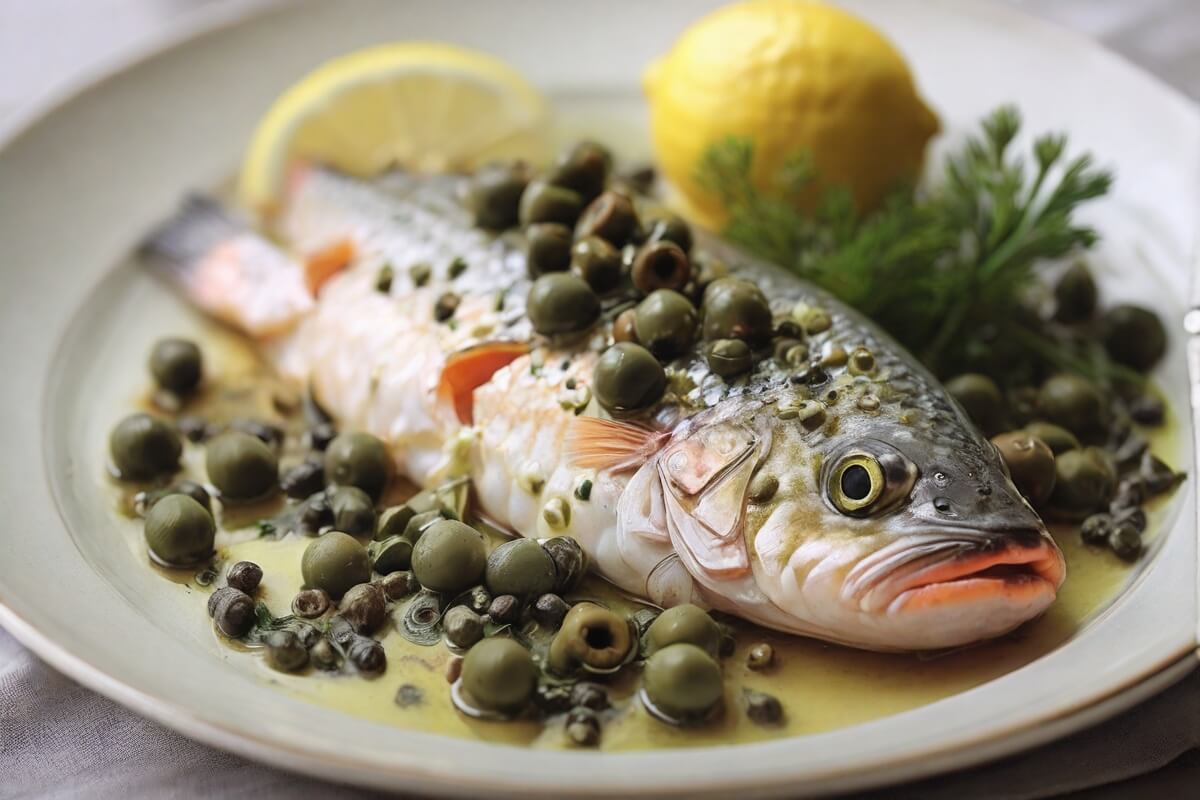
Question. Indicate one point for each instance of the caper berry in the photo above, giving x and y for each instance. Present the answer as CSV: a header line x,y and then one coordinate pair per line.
x,y
683,623
335,562
176,365
561,303
359,459
583,168
667,227
665,323
591,637
302,480
682,682
1084,483
462,626
241,466
310,603
520,567
1030,463
1134,336
729,357
1072,402
570,562
735,309
549,611
542,202
624,329
498,675
660,265
179,531
494,194
144,447
1057,438
285,652
611,217
980,398
628,379
244,575
449,557
353,511
1075,295
597,262
364,606
547,248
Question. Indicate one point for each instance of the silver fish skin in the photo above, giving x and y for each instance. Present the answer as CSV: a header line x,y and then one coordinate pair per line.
x,y
735,495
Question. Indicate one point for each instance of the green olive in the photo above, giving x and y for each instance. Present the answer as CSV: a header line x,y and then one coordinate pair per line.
x,y
359,459
597,262
520,567
736,309
624,328
494,194
591,637
542,202
583,168
561,303
1072,402
144,447
1030,462
685,623
683,682
449,557
498,675
335,562
667,227
660,265
1057,438
611,217
1075,295
179,531
1134,336
729,357
176,365
628,379
980,398
1084,483
665,323
547,248
353,511
390,555
241,466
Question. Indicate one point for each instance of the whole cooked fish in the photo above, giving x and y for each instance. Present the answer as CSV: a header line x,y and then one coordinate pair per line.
x,y
731,495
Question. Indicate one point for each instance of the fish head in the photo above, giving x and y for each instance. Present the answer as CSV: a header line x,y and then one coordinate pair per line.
x,y
878,530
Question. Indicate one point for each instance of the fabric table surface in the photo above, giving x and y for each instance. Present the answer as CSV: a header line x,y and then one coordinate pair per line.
x,y
60,740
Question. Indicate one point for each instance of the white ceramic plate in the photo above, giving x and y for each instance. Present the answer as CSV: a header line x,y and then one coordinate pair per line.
x,y
82,179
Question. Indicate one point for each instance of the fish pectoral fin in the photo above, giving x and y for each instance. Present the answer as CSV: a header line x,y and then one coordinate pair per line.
x,y
469,369
605,444
323,264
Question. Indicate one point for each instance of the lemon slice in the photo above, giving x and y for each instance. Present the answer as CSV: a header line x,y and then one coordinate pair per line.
x,y
423,106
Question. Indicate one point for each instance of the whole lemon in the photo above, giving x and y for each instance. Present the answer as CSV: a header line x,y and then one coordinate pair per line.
x,y
791,76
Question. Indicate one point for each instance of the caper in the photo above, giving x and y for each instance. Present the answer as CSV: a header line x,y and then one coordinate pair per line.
x,y
624,328
478,599
232,611
583,168
610,216
1072,402
194,429
1157,475
980,398
359,459
549,611
144,447
667,227
762,708
315,514
244,575
398,585
570,562
1096,529
504,609
1075,294
324,656
265,432
1146,409
660,265
366,655
1057,438
176,365
449,557
597,262
353,511
682,682
1134,336
760,657
335,562
547,248
628,379
561,303
390,555
285,651
494,194
1126,542
320,435
310,603
542,202
520,567
1084,483
445,306
583,727
498,675
1030,462
736,309
665,323
683,623
179,531
241,466
364,606
729,357
591,637
784,351
462,626
302,480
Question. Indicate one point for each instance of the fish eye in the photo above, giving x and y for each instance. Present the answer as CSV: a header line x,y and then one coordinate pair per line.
x,y
857,483
868,478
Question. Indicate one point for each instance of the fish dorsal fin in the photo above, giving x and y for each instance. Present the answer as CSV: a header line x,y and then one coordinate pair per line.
x,y
605,444
466,370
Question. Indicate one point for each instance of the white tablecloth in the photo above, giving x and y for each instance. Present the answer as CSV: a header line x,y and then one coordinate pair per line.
x,y
58,739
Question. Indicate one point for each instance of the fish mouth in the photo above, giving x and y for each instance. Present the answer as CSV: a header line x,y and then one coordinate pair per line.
x,y
1020,574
